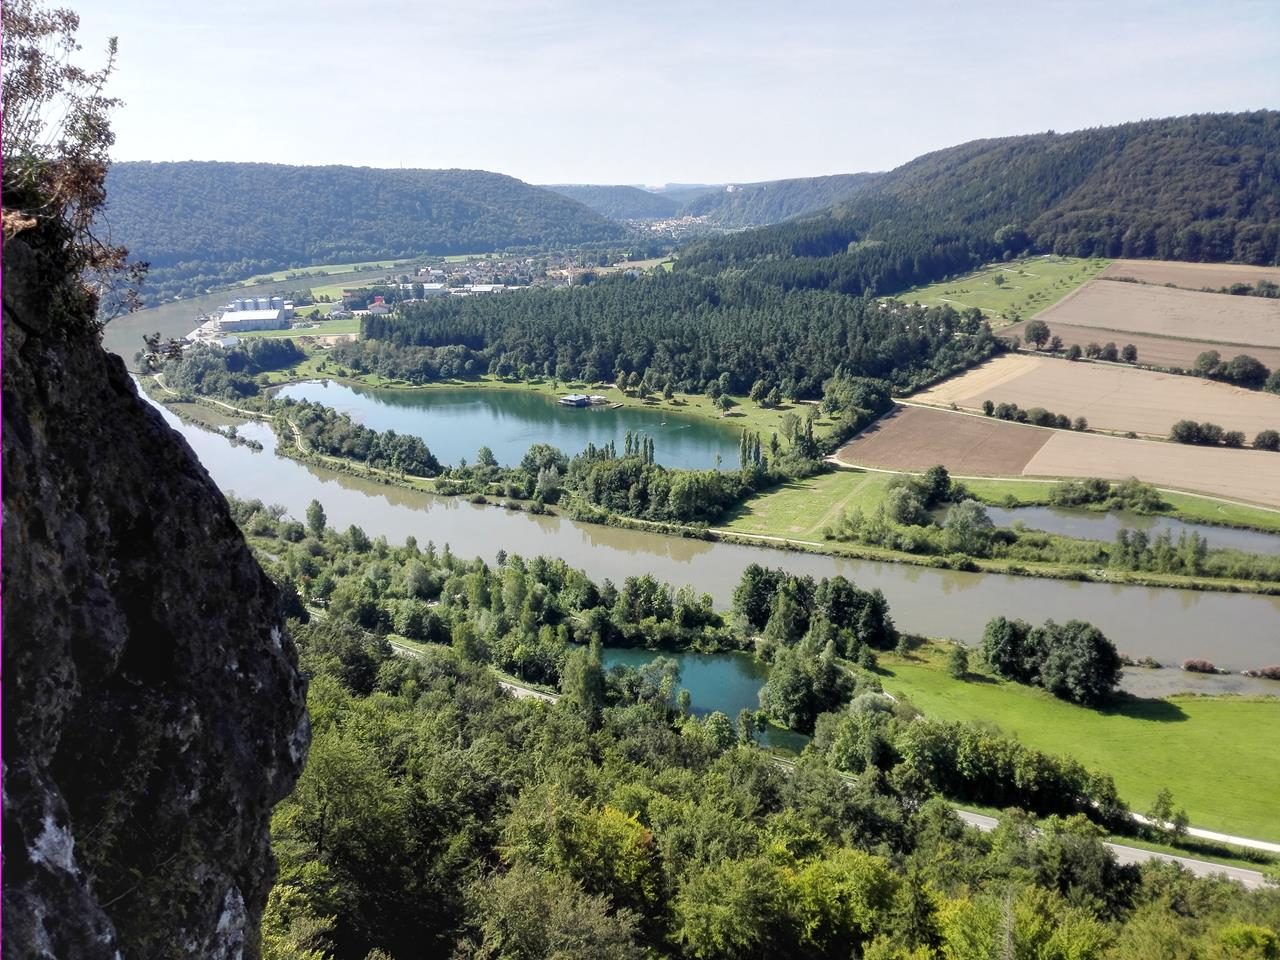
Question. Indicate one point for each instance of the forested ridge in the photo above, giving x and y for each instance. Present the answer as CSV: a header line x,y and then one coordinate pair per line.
x,y
760,204
200,224
731,206
619,202
692,330
1200,188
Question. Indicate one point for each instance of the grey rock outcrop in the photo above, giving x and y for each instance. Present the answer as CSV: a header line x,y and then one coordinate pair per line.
x,y
153,709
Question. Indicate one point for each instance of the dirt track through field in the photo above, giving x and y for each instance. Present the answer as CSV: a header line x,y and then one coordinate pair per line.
x,y
1188,314
916,438
1191,276
1110,397
1152,350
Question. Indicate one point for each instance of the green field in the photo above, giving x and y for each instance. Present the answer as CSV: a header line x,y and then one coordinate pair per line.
x,y
1030,285
324,329
1220,756
801,509
283,275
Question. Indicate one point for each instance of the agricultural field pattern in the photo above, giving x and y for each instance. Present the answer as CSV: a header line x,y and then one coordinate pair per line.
x,y
1112,397
914,438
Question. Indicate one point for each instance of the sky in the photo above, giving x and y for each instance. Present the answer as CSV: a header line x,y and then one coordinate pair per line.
x,y
562,91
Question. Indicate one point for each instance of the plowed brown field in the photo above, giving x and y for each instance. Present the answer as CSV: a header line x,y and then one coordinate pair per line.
x,y
915,438
1110,397
1189,314
1192,276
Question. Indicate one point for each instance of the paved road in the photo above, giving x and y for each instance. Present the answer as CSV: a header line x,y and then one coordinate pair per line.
x,y
1201,868
526,693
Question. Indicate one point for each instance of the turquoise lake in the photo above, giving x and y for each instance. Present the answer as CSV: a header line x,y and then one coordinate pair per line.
x,y
455,422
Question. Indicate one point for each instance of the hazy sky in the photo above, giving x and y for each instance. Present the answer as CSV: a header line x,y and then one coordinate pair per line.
x,y
561,91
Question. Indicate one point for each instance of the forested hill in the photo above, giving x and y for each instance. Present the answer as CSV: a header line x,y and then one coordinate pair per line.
x,y
759,204
203,223
619,202
729,206
1189,188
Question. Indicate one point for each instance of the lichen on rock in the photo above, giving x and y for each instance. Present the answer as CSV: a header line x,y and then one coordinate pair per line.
x,y
153,711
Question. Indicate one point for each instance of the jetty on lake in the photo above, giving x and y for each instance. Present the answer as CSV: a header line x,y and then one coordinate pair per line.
x,y
582,400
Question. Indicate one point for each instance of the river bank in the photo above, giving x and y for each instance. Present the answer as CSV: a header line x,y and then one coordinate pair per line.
x,y
1167,624
744,529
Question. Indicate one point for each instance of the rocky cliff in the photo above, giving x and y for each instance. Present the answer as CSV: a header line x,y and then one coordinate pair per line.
x,y
153,709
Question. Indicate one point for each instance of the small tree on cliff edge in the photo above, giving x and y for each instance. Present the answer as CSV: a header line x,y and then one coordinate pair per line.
x,y
56,136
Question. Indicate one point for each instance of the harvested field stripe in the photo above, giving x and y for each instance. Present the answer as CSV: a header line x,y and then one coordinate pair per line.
x,y
1187,314
1190,276
914,438
1111,397
1154,349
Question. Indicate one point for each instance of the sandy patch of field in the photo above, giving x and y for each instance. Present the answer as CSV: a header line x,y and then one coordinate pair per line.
x,y
1250,475
916,438
1140,308
1193,276
1153,351
1110,397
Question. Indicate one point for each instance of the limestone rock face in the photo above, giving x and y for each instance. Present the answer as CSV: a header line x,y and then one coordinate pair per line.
x,y
153,708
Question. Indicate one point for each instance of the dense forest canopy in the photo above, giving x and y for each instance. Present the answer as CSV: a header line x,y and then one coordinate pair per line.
x,y
439,816
760,204
210,223
692,331
619,202
729,206
1200,188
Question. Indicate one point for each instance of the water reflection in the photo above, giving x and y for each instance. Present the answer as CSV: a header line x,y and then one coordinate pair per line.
x,y
1235,631
455,421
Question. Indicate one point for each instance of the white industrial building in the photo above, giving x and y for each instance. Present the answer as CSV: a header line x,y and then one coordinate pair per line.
x,y
273,319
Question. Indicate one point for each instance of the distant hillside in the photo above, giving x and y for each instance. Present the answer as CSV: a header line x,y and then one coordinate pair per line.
x,y
730,206
759,204
200,224
1189,188
620,202
685,193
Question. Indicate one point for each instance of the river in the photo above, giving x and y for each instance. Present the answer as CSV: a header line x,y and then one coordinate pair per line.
x,y
455,421
1235,631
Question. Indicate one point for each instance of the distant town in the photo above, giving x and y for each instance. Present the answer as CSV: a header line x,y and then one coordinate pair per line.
x,y
310,310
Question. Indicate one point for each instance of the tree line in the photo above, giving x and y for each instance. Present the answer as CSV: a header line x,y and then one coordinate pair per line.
x,y
690,332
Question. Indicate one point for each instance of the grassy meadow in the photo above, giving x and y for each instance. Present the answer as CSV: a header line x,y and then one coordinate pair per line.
x,y
1030,285
799,510
282,276
1220,756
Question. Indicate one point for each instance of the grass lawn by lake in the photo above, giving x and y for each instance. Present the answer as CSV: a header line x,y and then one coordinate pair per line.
x,y
1030,285
202,413
1220,756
